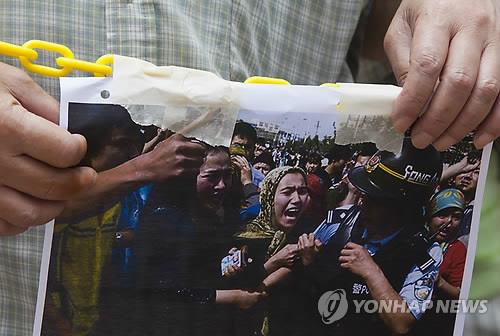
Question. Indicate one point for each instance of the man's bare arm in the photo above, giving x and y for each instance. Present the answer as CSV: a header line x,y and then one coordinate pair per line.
x,y
400,321
357,260
172,158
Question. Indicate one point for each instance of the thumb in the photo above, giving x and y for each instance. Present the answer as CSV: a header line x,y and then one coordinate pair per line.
x,y
29,94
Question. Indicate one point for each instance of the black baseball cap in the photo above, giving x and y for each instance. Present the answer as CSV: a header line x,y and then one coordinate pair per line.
x,y
411,175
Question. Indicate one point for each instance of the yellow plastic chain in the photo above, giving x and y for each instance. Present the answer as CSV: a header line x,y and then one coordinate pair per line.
x,y
100,68
67,61
266,80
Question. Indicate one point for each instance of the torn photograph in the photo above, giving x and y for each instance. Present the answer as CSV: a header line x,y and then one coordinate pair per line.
x,y
279,212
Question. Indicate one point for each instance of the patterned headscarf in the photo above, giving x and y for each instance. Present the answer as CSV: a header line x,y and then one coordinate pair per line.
x,y
264,226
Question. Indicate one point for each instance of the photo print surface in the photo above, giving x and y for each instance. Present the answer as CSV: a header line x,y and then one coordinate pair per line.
x,y
281,231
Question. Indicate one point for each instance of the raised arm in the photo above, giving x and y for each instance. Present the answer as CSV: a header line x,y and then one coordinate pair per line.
x,y
175,157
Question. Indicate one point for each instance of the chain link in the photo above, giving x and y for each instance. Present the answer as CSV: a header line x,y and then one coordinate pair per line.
x,y
67,61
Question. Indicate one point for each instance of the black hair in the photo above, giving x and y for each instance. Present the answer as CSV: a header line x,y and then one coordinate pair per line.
x,y
339,152
326,180
217,149
245,130
314,158
96,123
267,158
367,149
261,141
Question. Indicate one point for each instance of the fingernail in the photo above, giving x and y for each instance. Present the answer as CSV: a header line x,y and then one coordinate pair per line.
x,y
444,142
483,139
94,177
91,175
401,124
421,139
86,179
401,120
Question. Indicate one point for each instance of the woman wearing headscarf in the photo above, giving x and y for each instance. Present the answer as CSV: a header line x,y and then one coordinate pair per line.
x,y
270,249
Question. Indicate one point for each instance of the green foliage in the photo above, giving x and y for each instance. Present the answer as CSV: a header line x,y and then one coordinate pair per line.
x,y
485,280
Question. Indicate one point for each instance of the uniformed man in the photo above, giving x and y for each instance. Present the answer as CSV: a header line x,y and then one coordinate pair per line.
x,y
377,272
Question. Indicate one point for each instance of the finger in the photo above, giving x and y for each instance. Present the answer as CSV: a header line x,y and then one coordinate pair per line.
x,y
194,159
23,211
489,129
236,162
346,252
229,270
299,244
241,161
318,243
488,88
351,245
245,161
427,57
308,242
41,139
7,229
29,94
44,182
397,45
193,149
238,158
187,162
185,146
345,259
457,80
480,102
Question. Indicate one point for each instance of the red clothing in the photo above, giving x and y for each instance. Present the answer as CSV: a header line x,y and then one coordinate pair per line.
x,y
452,268
316,210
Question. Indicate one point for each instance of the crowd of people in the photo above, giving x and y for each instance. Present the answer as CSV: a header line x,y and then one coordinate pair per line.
x,y
250,242
445,94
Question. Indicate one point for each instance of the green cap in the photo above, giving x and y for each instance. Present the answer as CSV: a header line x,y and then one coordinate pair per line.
x,y
447,198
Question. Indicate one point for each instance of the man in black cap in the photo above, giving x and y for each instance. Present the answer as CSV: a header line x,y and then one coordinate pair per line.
x,y
377,253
